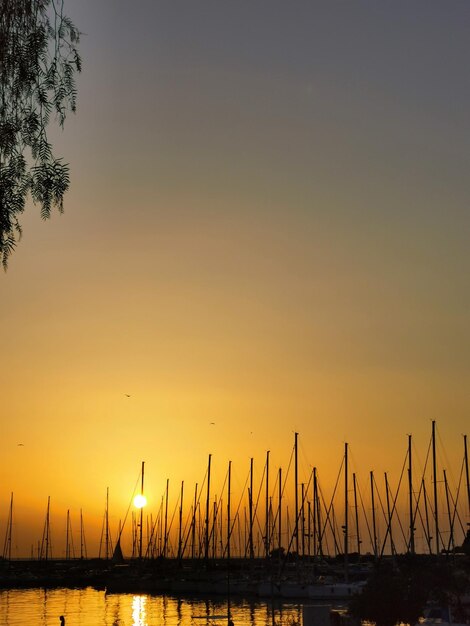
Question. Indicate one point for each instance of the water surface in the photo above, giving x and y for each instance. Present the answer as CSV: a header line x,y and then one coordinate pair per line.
x,y
89,607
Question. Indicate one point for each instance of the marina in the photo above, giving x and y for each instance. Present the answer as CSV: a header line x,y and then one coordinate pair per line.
x,y
283,516
235,373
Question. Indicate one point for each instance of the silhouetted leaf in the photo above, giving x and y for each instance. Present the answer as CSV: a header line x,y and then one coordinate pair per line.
x,y
38,60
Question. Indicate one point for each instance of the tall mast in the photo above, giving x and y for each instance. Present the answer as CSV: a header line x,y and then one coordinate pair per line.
x,y
309,529
466,476
229,520
8,534
206,537
45,544
410,490
193,529
296,492
302,517
148,522
67,549
245,533
434,471
165,537
160,528
48,526
106,550
279,521
266,532
374,526
151,550
180,531
141,510
214,527
346,513
316,517
314,512
250,512
449,515
134,535
10,530
426,517
356,516
82,536
389,516
229,532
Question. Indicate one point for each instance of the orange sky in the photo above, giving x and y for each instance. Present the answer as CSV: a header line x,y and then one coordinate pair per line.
x,y
267,228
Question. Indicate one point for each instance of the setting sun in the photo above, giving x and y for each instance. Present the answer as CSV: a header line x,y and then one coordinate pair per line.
x,y
140,501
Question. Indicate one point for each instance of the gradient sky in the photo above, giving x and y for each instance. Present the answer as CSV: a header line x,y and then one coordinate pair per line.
x,y
267,228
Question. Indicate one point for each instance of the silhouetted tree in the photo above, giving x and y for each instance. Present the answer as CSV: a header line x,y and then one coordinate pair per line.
x,y
38,63
391,596
398,592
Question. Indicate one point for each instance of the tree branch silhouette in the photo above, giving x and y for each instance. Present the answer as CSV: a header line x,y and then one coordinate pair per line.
x,y
39,60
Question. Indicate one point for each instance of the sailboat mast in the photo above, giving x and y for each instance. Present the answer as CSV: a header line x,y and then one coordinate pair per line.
x,y
389,517
250,512
302,517
106,550
346,513
8,534
10,530
466,474
206,538
410,502
214,527
316,522
81,535
193,529
426,517
309,529
280,513
229,519
434,471
165,536
229,532
374,526
266,532
449,515
296,492
47,527
160,528
356,516
141,510
67,550
180,532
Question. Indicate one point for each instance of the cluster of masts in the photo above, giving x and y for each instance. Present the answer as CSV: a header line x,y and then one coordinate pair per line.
x,y
267,523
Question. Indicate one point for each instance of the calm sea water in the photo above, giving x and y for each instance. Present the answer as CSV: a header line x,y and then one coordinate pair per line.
x,y
88,607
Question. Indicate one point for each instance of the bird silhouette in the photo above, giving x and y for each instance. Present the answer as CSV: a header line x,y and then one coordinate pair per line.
x,y
21,444
128,395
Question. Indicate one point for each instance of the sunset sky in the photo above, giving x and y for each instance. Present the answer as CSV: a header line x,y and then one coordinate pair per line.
x,y
267,231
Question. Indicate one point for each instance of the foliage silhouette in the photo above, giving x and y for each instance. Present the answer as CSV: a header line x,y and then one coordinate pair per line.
x,y
398,592
38,63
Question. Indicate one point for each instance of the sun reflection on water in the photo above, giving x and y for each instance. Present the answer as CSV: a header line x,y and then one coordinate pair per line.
x,y
139,615
90,607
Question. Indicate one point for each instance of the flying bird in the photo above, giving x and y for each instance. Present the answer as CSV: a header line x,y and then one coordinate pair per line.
x,y
212,424
128,395
21,444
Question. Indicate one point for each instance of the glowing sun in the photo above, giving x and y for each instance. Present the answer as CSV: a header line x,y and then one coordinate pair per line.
x,y
140,501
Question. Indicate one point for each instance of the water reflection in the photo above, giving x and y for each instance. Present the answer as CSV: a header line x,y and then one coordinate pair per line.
x,y
138,611
85,607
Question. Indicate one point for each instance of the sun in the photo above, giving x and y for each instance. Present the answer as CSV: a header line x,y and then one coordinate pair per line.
x,y
140,501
